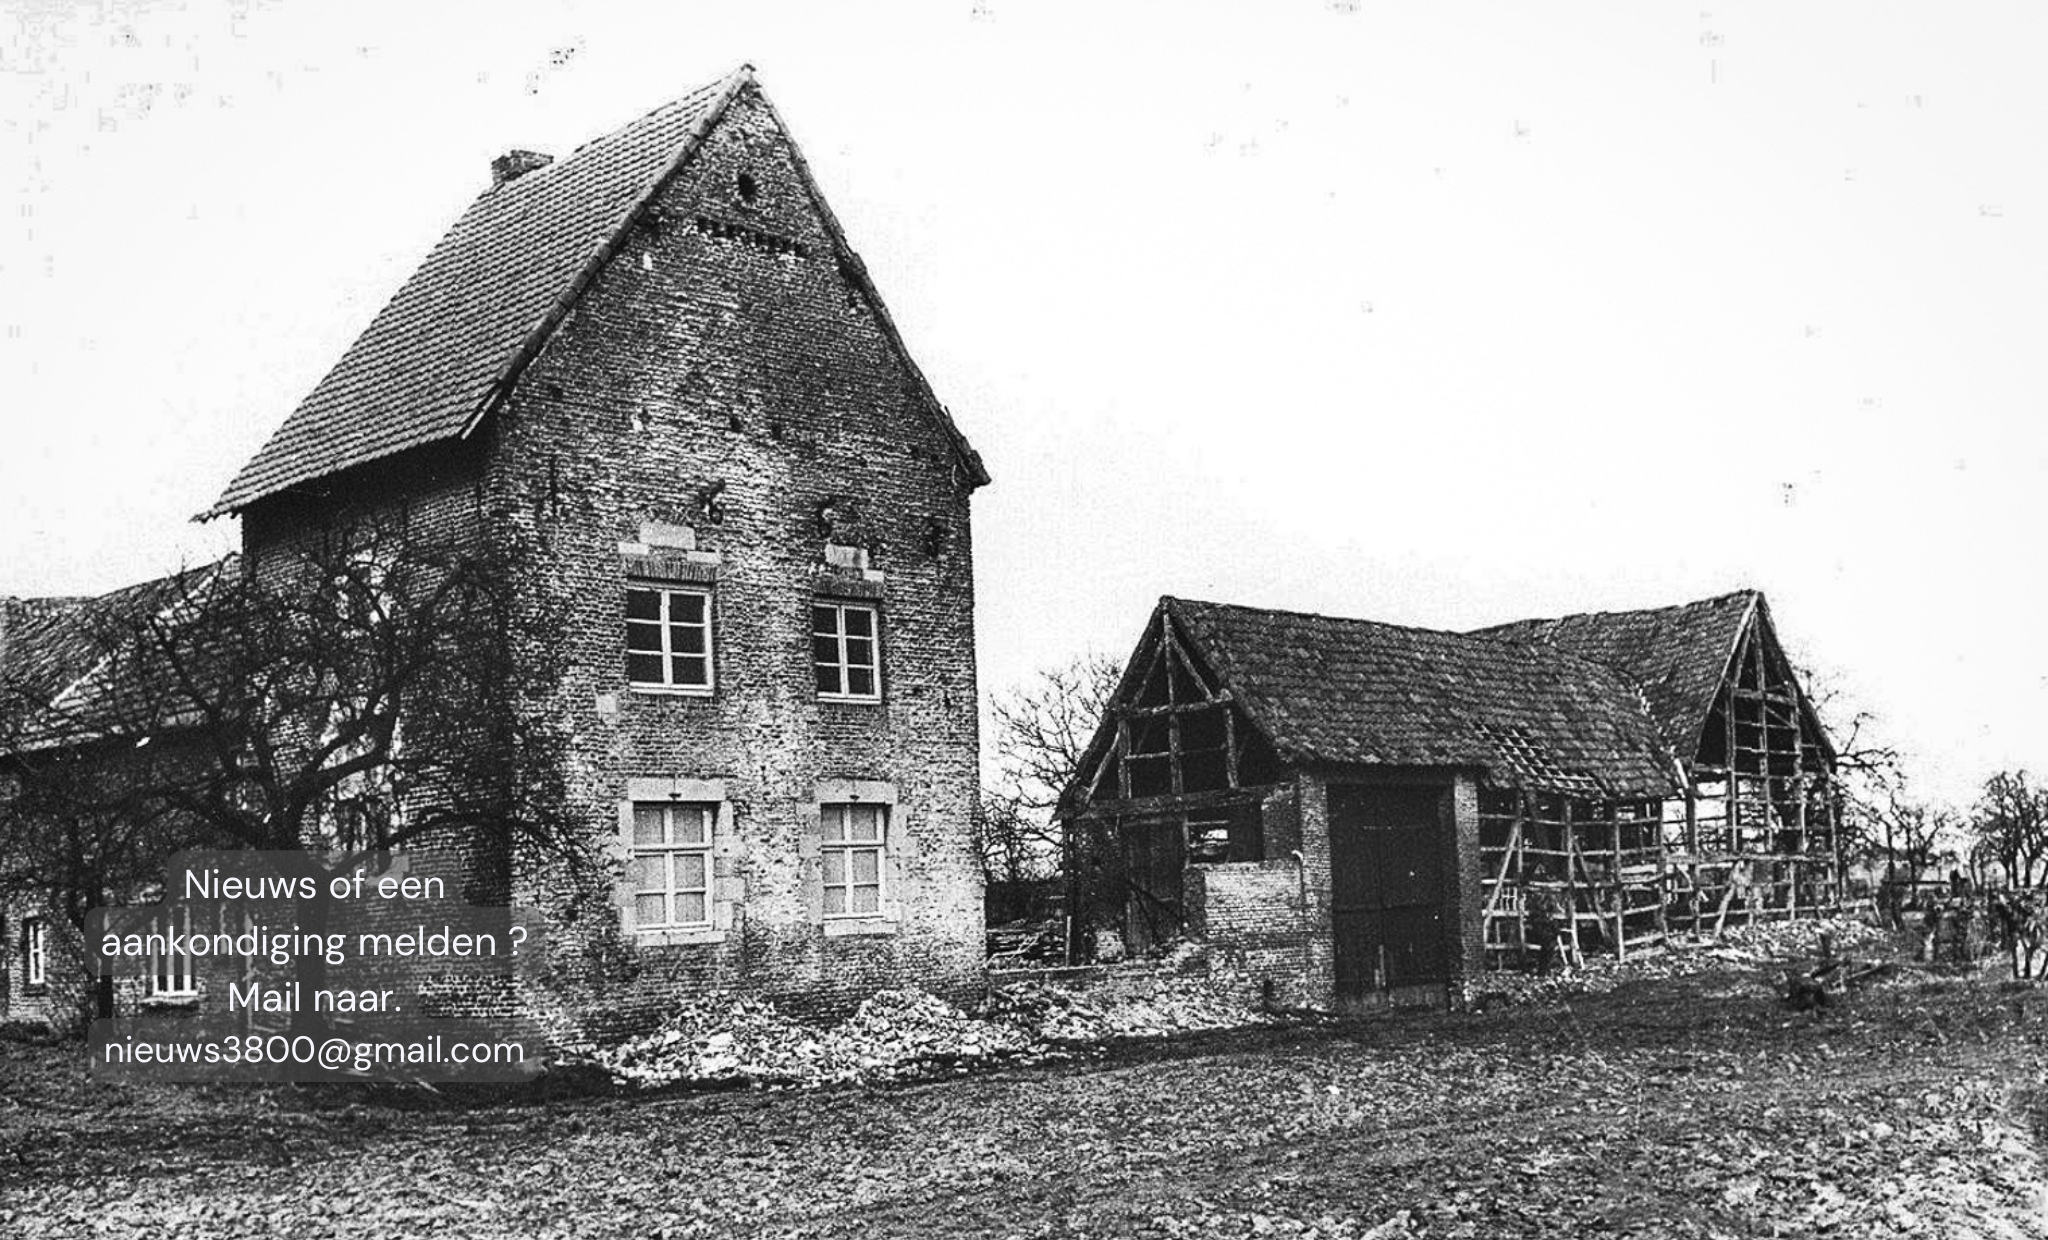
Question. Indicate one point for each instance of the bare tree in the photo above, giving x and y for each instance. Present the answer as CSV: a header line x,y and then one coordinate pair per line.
x,y
1042,729
2010,820
365,693
1869,773
1043,726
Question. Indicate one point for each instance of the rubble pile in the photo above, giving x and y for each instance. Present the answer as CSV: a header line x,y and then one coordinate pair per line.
x,y
894,1033
903,1033
1758,947
1174,1005
898,1027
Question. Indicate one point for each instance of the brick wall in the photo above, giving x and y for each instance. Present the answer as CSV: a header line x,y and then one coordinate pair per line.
x,y
721,383
1312,796
63,996
1468,925
1254,916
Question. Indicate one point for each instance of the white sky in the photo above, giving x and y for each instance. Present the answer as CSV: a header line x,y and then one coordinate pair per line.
x,y
1441,314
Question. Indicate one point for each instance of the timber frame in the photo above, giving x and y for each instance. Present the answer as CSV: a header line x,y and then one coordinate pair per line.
x,y
1174,738
1176,773
1753,832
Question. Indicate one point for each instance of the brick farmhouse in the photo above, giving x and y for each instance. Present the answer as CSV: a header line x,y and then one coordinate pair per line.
x,y
657,367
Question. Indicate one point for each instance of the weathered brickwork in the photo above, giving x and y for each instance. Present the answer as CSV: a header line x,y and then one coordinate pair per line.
x,y
57,1000
723,407
1468,933
1252,913
721,384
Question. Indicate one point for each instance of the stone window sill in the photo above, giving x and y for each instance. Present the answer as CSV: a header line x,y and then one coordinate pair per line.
x,y
677,938
858,927
170,1003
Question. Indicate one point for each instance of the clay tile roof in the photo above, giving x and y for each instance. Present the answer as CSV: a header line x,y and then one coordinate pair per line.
x,y
1676,655
1353,691
48,645
459,328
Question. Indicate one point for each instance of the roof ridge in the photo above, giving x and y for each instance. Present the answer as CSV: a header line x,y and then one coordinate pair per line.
x,y
1745,593
739,76
1545,650
1318,615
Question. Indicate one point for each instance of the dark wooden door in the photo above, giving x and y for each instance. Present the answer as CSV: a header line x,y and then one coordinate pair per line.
x,y
1388,889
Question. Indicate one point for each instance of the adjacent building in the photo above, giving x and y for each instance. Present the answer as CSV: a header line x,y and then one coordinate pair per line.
x,y
1361,813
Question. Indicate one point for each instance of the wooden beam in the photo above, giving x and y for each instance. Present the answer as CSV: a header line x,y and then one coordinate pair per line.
x,y
1167,803
1123,763
1171,708
1230,746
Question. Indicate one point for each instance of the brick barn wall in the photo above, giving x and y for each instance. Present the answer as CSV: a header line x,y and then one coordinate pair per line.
x,y
724,379
1312,796
1253,914
1468,926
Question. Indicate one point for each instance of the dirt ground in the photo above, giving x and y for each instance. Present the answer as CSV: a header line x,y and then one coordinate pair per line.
x,y
1678,1103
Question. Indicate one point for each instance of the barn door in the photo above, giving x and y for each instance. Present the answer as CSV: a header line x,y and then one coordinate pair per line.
x,y
1387,872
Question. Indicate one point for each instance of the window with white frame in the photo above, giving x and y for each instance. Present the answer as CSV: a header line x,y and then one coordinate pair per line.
x,y
671,866
668,638
170,973
846,650
855,841
35,952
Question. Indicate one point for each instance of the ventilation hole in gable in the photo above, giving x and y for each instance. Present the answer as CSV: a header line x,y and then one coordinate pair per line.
x,y
749,190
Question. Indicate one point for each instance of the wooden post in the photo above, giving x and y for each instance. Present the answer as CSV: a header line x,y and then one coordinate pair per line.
x,y
1692,844
1230,744
1571,900
1620,890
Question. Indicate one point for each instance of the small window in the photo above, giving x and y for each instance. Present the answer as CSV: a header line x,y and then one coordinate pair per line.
x,y
668,639
748,187
35,952
170,973
846,650
671,866
855,840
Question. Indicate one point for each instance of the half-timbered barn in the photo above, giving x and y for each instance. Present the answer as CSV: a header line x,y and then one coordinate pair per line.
x,y
1362,812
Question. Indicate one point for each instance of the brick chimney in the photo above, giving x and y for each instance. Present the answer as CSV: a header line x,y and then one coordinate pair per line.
x,y
516,164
